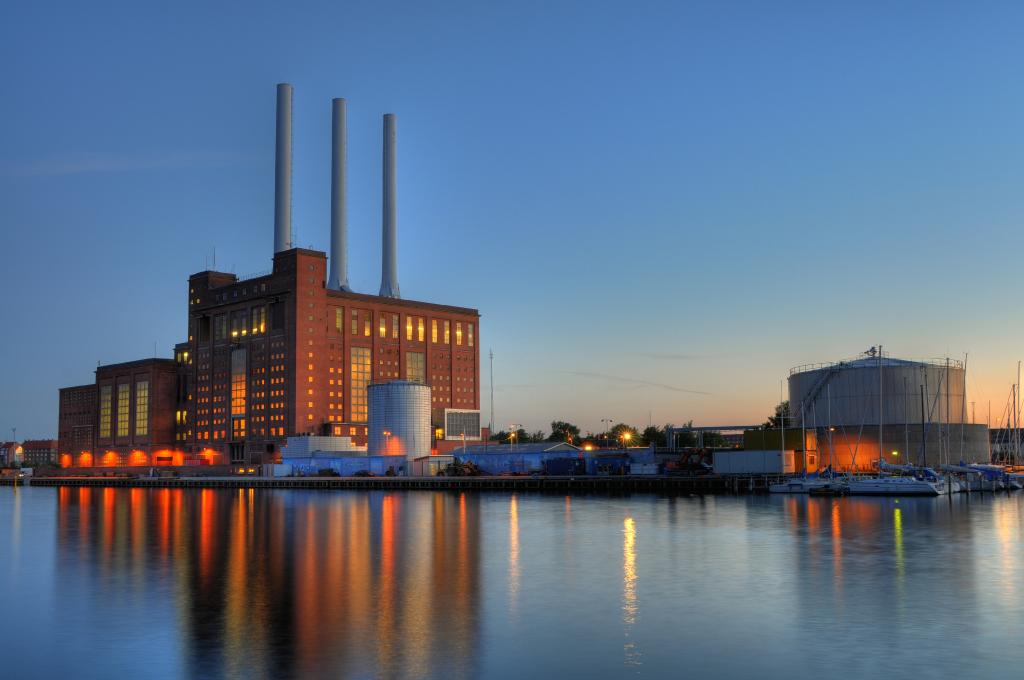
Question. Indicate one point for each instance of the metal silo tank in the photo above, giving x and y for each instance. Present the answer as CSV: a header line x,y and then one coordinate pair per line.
x,y
399,419
850,389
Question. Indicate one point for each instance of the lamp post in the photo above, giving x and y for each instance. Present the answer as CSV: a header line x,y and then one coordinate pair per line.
x,y
626,436
607,431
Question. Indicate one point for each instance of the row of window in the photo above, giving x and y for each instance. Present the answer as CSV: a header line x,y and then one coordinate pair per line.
x,y
124,408
415,327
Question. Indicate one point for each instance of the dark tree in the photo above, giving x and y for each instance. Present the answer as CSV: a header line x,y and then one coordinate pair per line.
x,y
780,417
562,431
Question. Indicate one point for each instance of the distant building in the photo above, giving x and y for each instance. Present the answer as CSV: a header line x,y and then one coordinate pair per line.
x,y
9,452
76,424
39,452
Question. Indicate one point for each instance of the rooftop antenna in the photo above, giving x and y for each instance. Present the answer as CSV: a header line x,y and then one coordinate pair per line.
x,y
490,425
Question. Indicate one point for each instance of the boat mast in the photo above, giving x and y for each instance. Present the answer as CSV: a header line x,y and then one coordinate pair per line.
x,y
924,431
1017,417
879,408
828,401
782,431
803,435
963,411
906,421
925,424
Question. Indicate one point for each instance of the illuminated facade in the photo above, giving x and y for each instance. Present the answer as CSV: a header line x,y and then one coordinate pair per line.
x,y
281,355
266,358
125,418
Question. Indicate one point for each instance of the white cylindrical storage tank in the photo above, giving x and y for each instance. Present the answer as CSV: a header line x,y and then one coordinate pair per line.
x,y
919,404
399,420
849,390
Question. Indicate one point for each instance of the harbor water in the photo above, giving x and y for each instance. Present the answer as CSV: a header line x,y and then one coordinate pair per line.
x,y
189,583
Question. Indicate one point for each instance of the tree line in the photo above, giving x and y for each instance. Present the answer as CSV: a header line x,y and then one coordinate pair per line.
x,y
563,431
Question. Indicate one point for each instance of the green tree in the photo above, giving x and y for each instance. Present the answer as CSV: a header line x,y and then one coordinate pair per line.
x,y
655,435
780,417
562,431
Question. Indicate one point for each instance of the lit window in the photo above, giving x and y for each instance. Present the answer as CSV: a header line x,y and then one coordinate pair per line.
x,y
382,326
394,327
366,325
259,320
360,376
469,337
105,409
123,395
447,333
419,328
238,387
339,319
355,322
415,367
408,328
142,408
458,333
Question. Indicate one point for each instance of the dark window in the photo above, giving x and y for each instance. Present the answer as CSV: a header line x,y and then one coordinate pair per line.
x,y
277,316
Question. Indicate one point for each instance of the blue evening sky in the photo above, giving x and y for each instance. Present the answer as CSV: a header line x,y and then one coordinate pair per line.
x,y
658,207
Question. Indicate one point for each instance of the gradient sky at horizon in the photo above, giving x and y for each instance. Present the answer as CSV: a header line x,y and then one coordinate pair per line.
x,y
659,207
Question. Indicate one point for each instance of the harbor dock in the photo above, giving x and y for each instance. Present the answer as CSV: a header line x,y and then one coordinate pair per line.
x,y
659,484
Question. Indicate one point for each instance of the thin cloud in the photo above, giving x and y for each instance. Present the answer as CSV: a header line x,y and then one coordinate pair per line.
x,y
636,382
670,357
103,161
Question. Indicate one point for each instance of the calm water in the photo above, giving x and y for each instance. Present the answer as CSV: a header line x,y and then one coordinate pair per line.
x,y
101,583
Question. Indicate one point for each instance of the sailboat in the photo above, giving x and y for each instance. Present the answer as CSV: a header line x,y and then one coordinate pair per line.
x,y
920,482
809,484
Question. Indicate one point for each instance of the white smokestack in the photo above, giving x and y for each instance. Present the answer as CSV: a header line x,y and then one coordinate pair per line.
x,y
338,279
389,246
283,171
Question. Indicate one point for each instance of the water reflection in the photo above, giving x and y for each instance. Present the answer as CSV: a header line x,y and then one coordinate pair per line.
x,y
513,554
629,604
288,584
285,585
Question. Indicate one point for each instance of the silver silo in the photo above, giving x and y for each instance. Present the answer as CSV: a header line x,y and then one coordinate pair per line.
x,y
920,404
399,419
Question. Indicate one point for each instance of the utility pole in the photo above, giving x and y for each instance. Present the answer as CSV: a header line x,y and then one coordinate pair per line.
x,y
490,425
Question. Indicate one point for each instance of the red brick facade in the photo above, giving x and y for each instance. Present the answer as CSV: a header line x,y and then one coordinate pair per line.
x,y
76,424
294,342
125,418
267,358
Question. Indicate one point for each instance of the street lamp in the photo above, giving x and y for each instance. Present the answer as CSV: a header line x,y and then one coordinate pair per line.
x,y
387,441
626,436
607,431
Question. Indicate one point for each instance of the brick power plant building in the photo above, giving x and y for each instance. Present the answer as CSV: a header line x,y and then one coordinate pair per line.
x,y
285,354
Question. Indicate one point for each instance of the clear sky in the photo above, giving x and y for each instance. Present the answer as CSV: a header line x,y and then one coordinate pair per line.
x,y
658,208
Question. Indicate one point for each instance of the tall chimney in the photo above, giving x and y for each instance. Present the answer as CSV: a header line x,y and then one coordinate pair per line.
x,y
389,245
338,279
283,171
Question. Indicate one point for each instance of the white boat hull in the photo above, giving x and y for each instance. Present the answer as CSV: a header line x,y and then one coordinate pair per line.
x,y
896,486
798,486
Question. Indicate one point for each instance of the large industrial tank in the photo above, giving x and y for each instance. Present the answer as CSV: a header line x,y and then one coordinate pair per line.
x,y
843,402
849,390
399,419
